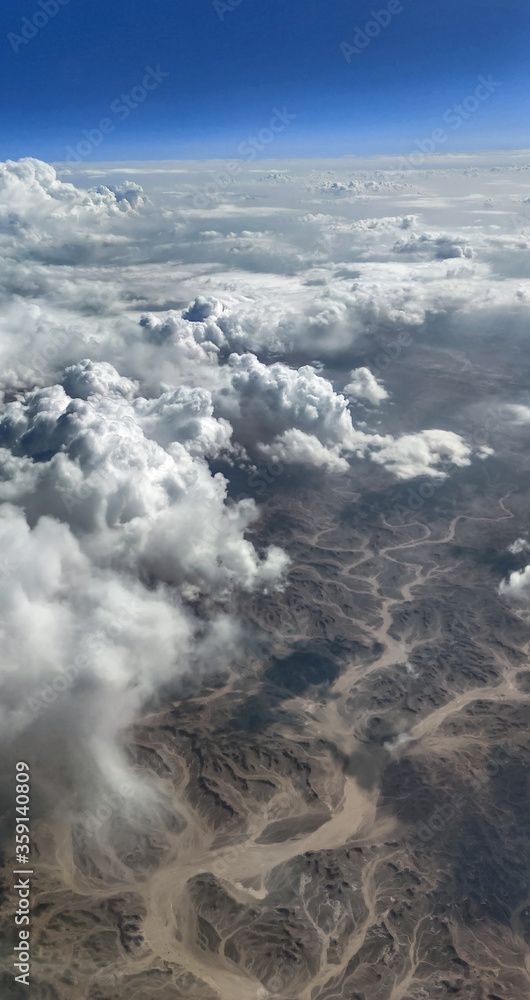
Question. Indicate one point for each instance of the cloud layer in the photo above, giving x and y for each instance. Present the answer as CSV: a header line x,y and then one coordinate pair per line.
x,y
146,345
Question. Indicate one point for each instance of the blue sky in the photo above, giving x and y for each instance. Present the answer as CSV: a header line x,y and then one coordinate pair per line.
x,y
228,69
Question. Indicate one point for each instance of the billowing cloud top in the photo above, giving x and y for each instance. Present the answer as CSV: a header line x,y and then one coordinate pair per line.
x,y
147,345
517,586
364,385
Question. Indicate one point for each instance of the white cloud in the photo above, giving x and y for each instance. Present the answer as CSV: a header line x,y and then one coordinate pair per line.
x,y
425,453
520,545
518,413
435,245
264,401
295,447
109,503
126,473
364,385
88,379
517,586
142,340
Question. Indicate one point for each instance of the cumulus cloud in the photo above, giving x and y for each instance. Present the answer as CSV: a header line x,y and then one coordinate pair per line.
x,y
144,346
517,586
112,520
364,385
130,477
295,416
280,282
263,402
430,452
520,545
518,413
32,188
438,246
43,216
71,628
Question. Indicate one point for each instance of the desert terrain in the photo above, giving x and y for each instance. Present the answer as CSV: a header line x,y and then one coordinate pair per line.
x,y
345,813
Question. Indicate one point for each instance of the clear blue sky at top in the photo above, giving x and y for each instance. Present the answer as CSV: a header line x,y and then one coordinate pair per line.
x,y
226,75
